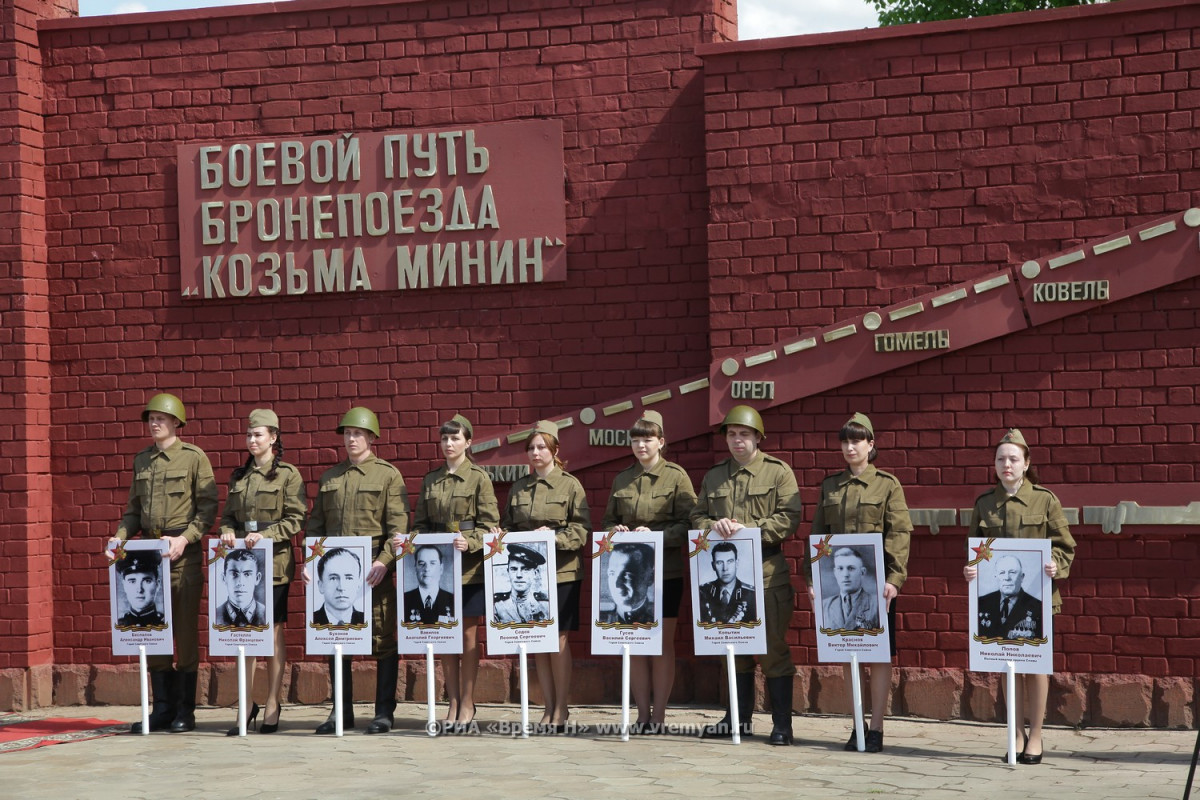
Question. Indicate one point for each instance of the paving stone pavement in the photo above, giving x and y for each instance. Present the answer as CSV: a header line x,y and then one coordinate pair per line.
x,y
923,758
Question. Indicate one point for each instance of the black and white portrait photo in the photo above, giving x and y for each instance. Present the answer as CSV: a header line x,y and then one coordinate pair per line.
x,y
241,591
340,580
140,600
1011,625
429,573
727,594
850,589
520,593
627,587
519,581
1013,610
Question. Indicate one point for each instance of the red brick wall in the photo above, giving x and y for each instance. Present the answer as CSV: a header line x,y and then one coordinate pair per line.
x,y
852,171
124,94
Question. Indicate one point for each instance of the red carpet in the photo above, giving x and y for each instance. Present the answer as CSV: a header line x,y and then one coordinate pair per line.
x,y
19,732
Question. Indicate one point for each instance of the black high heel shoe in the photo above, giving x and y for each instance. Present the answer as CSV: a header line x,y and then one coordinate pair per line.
x,y
249,721
270,727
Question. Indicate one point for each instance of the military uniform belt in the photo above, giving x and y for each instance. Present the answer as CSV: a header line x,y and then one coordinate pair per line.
x,y
770,550
158,533
252,526
462,526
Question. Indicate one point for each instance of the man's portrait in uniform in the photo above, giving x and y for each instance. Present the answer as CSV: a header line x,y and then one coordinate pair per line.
x,y
140,576
242,577
339,583
727,598
850,590
429,602
524,572
1010,612
629,580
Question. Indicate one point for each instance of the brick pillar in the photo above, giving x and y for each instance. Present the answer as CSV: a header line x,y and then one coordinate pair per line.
x,y
26,574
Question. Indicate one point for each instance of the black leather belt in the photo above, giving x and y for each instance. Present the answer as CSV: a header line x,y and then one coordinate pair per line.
x,y
158,533
770,550
462,527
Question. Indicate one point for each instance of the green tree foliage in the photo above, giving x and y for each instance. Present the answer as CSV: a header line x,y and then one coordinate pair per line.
x,y
900,12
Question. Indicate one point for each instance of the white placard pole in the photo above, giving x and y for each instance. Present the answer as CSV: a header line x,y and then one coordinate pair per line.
x,y
144,686
734,716
1012,712
338,711
856,690
524,692
430,687
625,693
241,670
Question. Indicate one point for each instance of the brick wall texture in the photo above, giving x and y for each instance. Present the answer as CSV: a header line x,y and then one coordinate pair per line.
x,y
721,196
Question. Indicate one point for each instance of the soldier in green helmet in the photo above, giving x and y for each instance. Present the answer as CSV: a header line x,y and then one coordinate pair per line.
x,y
751,489
173,498
365,496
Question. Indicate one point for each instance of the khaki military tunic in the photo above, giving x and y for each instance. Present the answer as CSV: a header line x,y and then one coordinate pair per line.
x,y
174,493
459,502
556,501
276,506
763,494
1031,513
367,499
872,502
660,498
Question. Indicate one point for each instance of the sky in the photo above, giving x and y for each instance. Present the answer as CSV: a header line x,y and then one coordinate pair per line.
x,y
757,19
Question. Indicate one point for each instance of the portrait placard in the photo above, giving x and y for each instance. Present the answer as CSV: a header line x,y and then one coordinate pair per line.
x,y
849,608
727,592
429,594
338,600
1011,616
139,582
522,597
240,601
627,592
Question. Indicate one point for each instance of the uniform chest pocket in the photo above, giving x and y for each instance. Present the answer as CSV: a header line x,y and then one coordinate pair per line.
x,y
870,514
662,502
369,497
462,504
175,482
1033,524
992,524
720,503
269,500
142,482
625,502
554,511
760,499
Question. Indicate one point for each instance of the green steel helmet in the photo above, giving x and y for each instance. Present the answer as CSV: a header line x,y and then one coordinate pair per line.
x,y
166,404
360,417
744,415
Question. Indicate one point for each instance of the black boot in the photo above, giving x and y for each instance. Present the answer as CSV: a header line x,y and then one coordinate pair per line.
x,y
185,712
745,704
163,686
780,692
330,723
387,673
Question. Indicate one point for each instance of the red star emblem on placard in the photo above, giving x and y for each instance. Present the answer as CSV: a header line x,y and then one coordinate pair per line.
x,y
823,548
317,550
407,547
603,545
219,552
982,553
701,543
119,552
495,546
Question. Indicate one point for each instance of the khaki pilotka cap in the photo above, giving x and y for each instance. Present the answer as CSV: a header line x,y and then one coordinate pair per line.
x,y
654,418
863,420
465,423
264,418
1013,437
545,426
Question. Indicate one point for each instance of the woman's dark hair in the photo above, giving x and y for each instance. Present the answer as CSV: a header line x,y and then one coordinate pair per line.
x,y
854,432
450,426
645,428
277,448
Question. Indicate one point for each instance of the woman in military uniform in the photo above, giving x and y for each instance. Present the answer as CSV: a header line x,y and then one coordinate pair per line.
x,y
267,500
863,499
551,499
654,494
457,497
1017,507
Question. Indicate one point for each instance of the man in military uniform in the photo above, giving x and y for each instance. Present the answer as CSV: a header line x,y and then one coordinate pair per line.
x,y
726,599
631,584
853,607
1009,612
241,608
524,602
428,603
140,581
365,496
755,490
173,498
